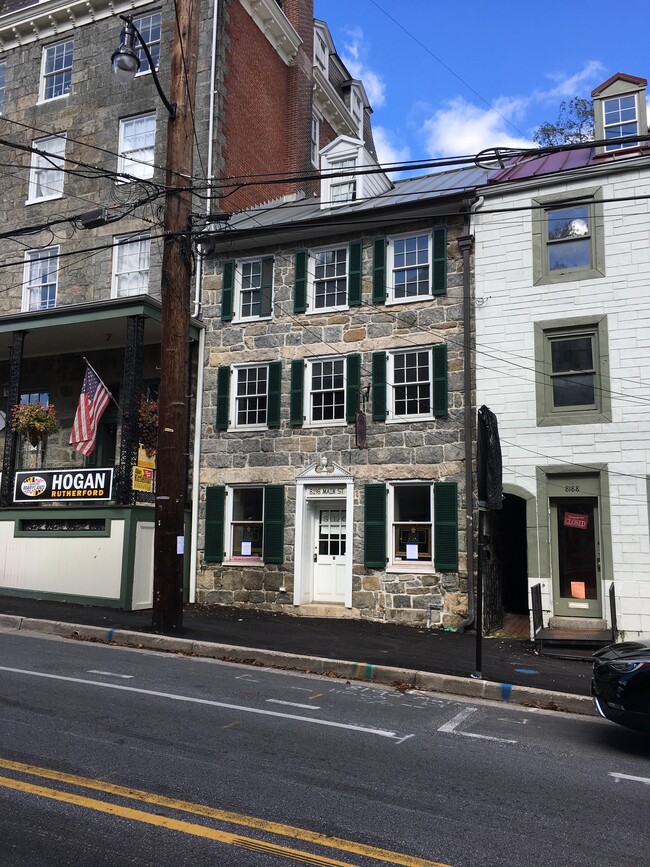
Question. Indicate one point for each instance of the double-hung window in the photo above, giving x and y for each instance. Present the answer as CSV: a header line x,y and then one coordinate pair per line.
x,y
315,139
410,267
410,384
46,173
343,184
131,266
572,383
248,396
328,279
40,281
411,526
244,524
136,147
149,27
325,391
56,71
247,290
568,239
620,118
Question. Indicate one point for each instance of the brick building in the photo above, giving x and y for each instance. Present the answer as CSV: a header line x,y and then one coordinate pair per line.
x,y
80,268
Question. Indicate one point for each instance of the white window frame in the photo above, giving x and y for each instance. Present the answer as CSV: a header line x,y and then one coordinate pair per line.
x,y
64,71
235,370
127,163
230,556
312,279
344,188
391,268
3,82
141,247
315,139
392,386
31,285
405,565
308,408
239,290
620,123
152,44
321,54
46,172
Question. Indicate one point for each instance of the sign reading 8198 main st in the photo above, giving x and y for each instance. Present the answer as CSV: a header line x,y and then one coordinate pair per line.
x,y
71,486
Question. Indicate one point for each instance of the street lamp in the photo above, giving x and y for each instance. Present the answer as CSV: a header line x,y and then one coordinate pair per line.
x,y
175,290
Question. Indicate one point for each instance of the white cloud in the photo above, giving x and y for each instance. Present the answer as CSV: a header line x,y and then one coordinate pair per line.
x,y
354,56
567,86
460,128
388,150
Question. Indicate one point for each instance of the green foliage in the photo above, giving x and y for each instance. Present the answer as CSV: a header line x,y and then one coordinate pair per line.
x,y
33,419
574,124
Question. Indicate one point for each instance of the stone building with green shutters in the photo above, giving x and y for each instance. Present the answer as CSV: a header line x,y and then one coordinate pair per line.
x,y
333,445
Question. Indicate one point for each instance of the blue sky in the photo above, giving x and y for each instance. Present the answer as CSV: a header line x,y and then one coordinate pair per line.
x,y
448,79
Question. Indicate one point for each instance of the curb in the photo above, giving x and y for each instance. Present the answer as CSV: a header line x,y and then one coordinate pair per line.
x,y
526,696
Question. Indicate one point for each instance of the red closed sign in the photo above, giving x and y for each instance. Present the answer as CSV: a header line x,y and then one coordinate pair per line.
x,y
578,522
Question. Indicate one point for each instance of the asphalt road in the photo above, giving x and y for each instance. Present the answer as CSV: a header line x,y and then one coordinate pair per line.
x,y
111,756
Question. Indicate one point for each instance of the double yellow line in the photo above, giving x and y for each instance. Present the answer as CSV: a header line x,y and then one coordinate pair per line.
x,y
345,847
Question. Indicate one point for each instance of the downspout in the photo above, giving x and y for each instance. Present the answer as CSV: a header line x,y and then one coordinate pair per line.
x,y
198,280
465,243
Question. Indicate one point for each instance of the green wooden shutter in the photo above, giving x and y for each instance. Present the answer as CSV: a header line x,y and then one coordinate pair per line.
x,y
379,271
227,291
374,540
352,386
354,275
273,543
266,287
445,520
274,390
215,502
296,406
440,379
439,262
223,397
379,386
300,283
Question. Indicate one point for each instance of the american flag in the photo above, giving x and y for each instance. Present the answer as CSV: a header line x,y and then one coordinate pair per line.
x,y
93,400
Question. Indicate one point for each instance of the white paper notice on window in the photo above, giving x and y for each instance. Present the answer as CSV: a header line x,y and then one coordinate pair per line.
x,y
180,544
246,549
411,551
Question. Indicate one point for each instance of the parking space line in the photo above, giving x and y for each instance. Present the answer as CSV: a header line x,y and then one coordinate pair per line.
x,y
618,777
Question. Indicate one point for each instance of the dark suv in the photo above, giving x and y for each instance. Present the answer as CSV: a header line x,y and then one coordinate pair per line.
x,y
620,685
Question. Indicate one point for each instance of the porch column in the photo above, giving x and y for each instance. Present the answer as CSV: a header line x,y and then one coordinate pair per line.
x,y
9,457
132,384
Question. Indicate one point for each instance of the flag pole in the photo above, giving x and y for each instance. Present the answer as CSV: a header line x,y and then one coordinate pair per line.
x,y
104,384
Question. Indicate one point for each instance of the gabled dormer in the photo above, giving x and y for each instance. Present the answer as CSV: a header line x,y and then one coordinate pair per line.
x,y
342,181
620,110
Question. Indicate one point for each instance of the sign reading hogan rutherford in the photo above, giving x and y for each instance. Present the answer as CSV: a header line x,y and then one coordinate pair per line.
x,y
38,486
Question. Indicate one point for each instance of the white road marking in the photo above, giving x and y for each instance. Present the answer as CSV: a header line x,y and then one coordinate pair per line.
x,y
293,703
455,721
451,726
518,722
109,673
154,693
246,677
619,777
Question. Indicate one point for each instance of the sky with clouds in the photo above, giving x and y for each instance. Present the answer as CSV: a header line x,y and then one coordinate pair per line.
x,y
447,80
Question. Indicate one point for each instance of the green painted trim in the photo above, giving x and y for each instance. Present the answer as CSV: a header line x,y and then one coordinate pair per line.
x,y
59,534
547,416
592,197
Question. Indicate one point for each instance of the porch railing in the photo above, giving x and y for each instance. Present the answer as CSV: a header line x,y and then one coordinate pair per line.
x,y
536,600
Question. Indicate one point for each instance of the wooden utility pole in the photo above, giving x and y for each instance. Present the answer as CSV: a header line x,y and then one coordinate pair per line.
x,y
171,461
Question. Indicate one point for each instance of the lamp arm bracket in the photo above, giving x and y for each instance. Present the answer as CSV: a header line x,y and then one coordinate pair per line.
x,y
170,106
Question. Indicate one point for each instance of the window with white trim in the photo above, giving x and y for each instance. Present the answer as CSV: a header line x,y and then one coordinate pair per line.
x,y
56,70
325,391
253,294
136,146
321,54
343,187
410,514
620,118
40,281
409,264
250,396
315,139
245,524
150,28
46,172
3,76
410,384
328,279
131,266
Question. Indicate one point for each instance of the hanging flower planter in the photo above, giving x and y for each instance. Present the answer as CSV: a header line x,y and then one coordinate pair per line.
x,y
35,421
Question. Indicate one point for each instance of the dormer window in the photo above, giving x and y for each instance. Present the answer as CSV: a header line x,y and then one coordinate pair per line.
x,y
343,188
620,119
321,54
356,109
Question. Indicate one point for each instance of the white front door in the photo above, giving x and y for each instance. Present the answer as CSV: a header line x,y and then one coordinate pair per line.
x,y
329,551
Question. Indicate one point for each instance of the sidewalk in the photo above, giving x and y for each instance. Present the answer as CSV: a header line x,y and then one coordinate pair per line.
x,y
364,650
